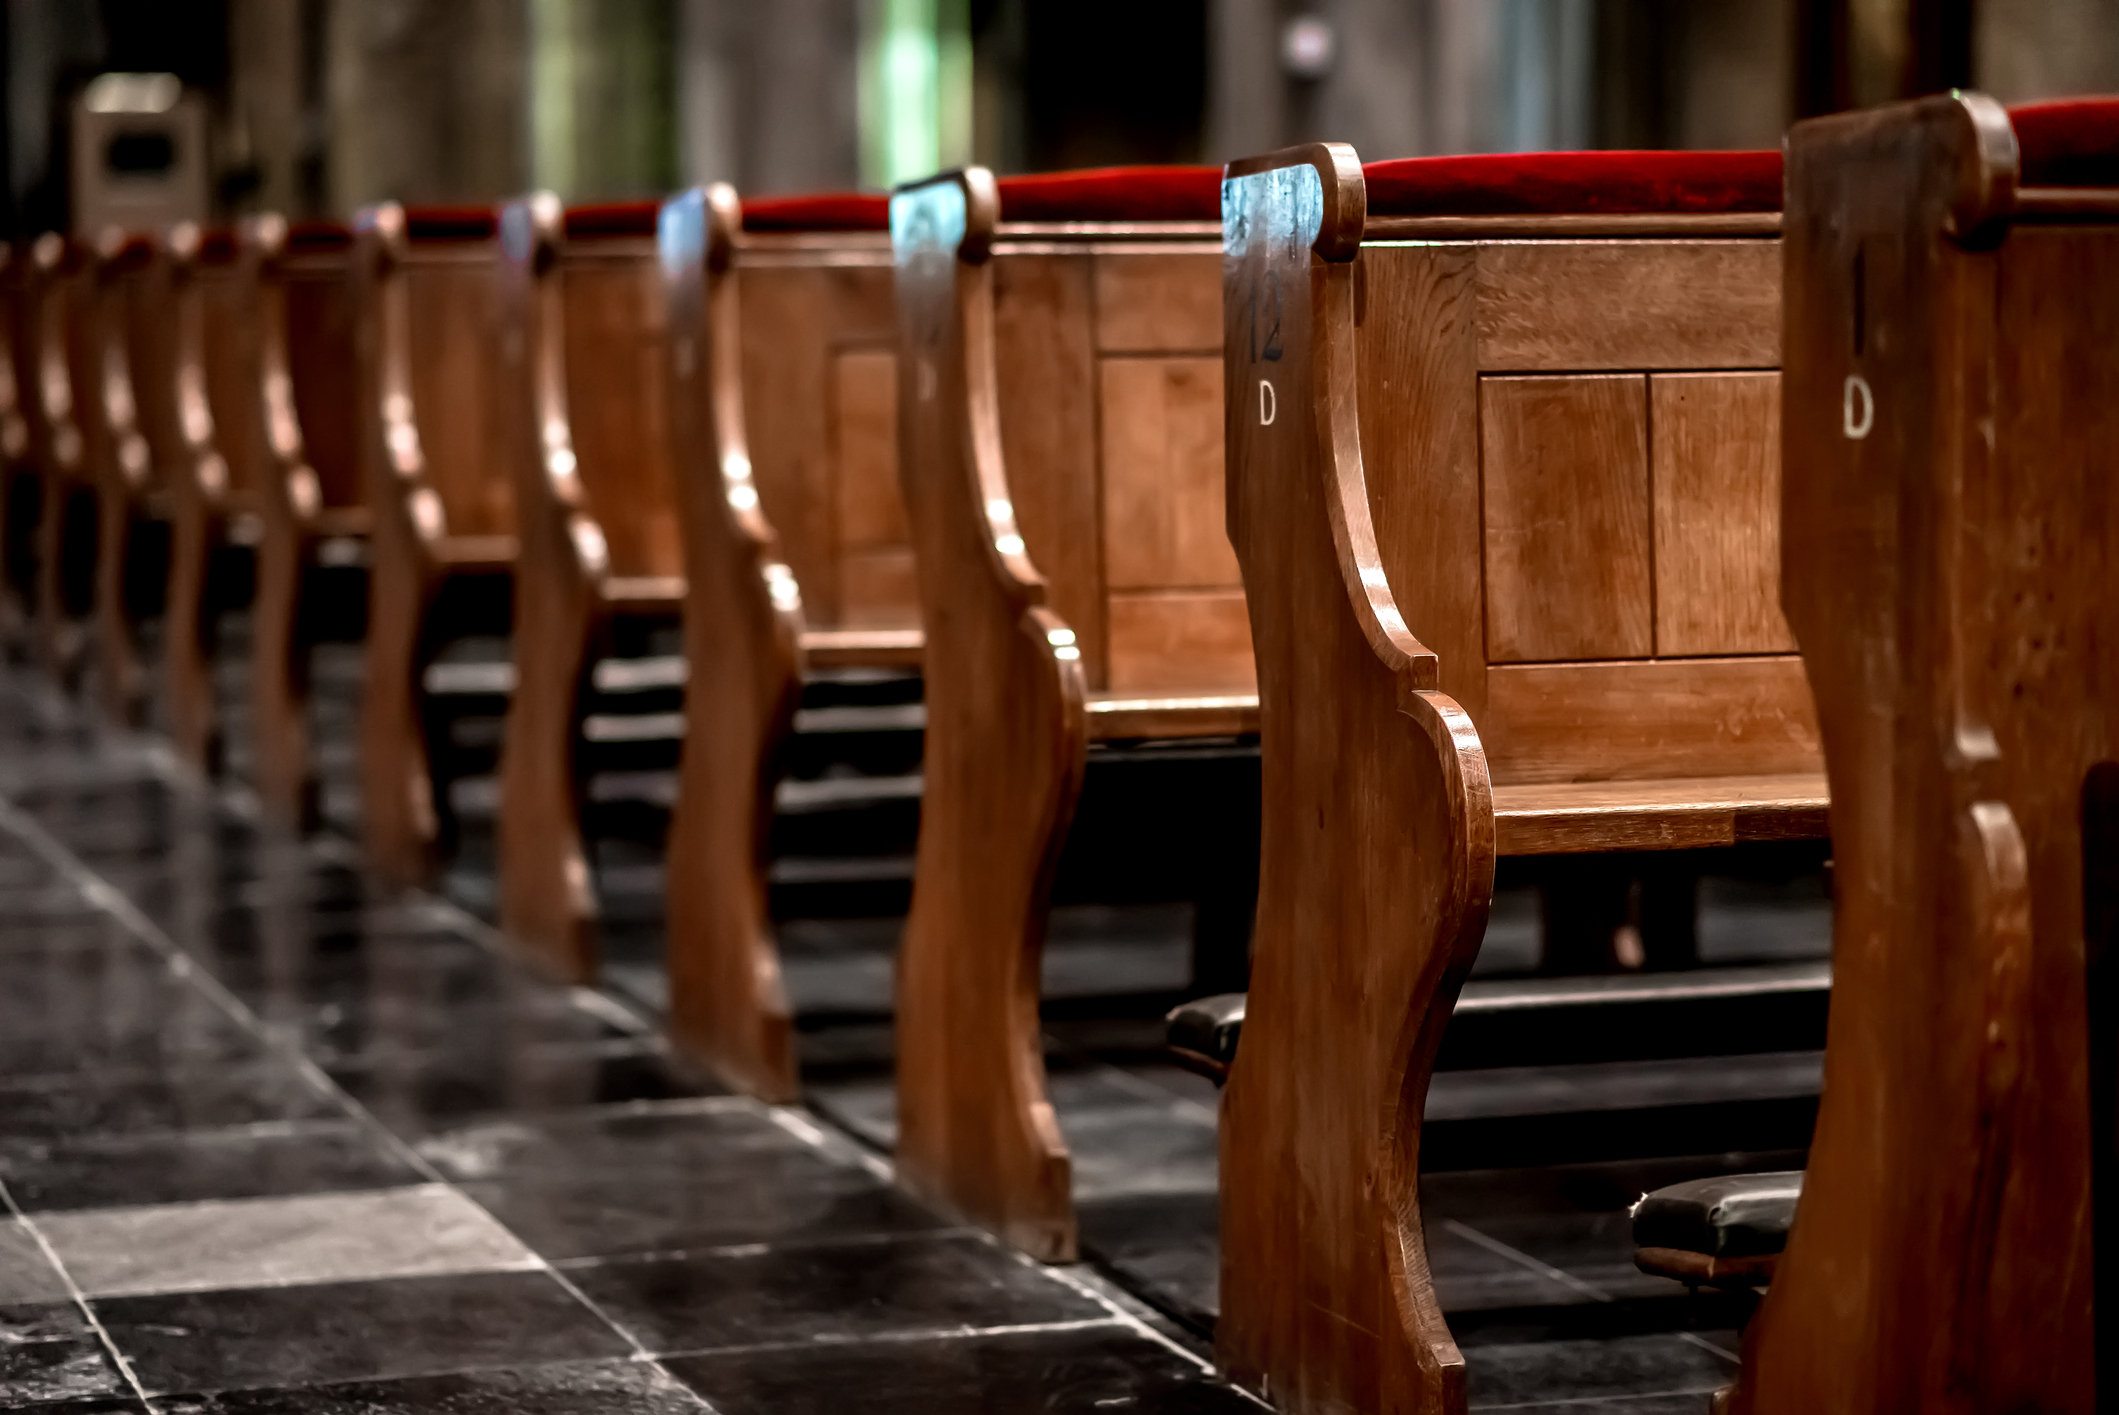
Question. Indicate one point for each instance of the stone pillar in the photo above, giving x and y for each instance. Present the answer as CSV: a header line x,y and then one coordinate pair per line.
x,y
766,94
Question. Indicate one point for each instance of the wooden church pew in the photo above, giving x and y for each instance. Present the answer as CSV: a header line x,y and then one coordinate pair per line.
x,y
215,493
1058,413
583,321
1502,475
783,392
443,551
64,430
1950,551
138,445
310,502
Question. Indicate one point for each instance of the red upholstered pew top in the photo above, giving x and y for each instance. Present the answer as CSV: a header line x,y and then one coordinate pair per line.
x,y
1115,194
824,211
2067,142
318,238
1594,183
450,223
618,218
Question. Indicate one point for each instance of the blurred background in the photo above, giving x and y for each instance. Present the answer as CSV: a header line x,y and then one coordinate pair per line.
x,y
316,106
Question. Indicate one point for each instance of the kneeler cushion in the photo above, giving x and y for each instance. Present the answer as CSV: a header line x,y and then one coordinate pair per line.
x,y
1739,1215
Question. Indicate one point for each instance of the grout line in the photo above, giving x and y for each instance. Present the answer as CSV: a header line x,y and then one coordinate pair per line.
x,y
73,1290
800,1124
961,1333
1568,1280
759,1250
1094,1293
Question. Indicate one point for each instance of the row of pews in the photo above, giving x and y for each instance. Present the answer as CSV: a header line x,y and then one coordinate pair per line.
x,y
1539,505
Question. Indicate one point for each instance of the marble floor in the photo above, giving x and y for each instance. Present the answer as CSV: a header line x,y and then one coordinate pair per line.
x,y
271,1139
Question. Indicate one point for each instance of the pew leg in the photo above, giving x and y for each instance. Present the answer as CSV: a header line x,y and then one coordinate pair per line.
x,y
187,652
547,897
1006,747
279,674
398,820
727,1003
66,580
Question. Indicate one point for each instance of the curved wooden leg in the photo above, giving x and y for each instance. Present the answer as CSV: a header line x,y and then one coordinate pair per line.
x,y
1006,744
60,550
187,653
279,675
547,898
117,646
398,822
727,1004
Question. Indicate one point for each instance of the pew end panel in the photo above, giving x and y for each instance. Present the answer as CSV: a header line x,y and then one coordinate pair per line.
x,y
443,508
130,323
1059,424
1377,824
584,365
1950,537
1005,741
307,488
784,424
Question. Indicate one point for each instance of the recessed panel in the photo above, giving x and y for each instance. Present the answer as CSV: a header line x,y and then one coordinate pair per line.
x,y
1158,302
1182,642
1717,460
1164,525
1564,463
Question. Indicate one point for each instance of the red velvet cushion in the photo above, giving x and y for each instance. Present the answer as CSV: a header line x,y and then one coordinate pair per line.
x,y
1556,183
2068,142
310,237
218,245
825,211
618,218
449,223
1115,194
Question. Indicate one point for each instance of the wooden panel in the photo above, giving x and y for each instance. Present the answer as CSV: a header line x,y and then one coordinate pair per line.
x,y
1717,471
1164,525
1419,416
1045,371
320,319
880,587
1614,721
1566,517
1151,302
451,346
1629,304
617,406
1687,813
865,449
1181,642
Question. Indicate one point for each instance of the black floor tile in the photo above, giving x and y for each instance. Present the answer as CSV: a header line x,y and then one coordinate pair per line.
x,y
109,1008
1166,1247
354,1331
251,1162
132,1101
665,1179
48,1353
1509,1375
574,1388
1079,1372
746,1298
415,1094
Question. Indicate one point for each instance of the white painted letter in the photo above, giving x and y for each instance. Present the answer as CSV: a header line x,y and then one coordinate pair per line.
x,y
1857,407
1268,404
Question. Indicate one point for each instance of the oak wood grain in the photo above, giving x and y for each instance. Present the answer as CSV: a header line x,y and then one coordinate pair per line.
x,y
1162,474
1618,304
1716,469
1152,301
1567,520
1180,641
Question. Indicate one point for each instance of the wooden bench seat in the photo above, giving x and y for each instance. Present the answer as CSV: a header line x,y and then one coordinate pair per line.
x,y
1503,466
1949,545
1059,420
783,367
444,545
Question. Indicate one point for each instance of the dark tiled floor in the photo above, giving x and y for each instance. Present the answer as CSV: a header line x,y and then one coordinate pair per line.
x,y
273,1141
